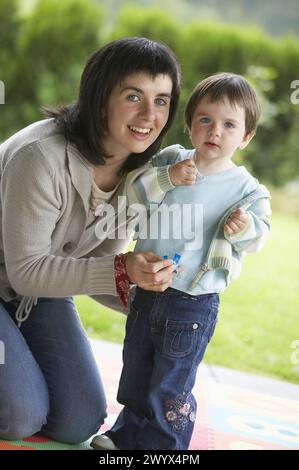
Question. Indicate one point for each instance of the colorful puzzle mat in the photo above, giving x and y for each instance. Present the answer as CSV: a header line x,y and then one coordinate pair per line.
x,y
229,417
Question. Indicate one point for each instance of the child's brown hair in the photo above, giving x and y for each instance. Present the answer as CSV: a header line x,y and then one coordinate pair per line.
x,y
226,85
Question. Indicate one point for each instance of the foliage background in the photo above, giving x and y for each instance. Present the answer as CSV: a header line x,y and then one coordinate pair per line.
x,y
44,45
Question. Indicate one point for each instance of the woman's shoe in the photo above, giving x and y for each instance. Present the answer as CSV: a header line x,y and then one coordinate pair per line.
x,y
103,442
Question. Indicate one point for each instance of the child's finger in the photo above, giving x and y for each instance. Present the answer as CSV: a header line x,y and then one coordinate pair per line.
x,y
237,221
190,177
234,227
241,217
227,229
239,213
189,180
189,162
234,224
190,166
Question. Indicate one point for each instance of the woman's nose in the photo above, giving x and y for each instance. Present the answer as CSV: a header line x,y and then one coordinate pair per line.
x,y
147,111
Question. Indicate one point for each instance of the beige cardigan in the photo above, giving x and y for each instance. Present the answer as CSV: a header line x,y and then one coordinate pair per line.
x,y
48,246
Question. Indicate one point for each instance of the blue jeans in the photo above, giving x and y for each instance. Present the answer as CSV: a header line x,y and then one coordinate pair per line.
x,y
166,337
49,381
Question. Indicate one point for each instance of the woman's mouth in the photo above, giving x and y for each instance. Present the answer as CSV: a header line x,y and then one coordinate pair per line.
x,y
140,132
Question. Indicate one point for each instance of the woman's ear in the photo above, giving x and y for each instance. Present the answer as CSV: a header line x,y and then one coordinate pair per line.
x,y
246,140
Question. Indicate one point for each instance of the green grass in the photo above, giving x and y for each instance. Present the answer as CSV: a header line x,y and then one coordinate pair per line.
x,y
101,322
259,314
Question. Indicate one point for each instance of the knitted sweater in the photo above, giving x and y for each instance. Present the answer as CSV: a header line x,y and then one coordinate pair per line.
x,y
211,259
49,246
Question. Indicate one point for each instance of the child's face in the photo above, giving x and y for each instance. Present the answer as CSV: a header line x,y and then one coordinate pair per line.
x,y
218,129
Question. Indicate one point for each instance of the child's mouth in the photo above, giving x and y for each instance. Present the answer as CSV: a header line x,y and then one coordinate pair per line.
x,y
211,145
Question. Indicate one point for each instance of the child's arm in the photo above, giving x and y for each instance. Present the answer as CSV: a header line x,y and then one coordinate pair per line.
x,y
249,230
148,185
183,173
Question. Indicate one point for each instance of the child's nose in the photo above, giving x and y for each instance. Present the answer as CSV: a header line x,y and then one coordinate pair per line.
x,y
215,130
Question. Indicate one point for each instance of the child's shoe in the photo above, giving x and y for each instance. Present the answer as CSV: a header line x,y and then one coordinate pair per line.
x,y
103,442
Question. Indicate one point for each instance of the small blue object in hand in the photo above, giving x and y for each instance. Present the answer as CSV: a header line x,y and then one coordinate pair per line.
x,y
175,259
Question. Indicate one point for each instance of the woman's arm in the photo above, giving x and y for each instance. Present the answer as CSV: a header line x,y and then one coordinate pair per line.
x,y
31,210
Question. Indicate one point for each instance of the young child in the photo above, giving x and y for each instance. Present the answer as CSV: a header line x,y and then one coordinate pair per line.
x,y
167,332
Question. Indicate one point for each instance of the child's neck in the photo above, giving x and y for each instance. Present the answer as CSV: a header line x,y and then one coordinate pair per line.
x,y
209,167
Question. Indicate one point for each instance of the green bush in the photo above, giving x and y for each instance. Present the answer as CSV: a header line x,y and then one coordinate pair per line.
x,y
43,53
52,43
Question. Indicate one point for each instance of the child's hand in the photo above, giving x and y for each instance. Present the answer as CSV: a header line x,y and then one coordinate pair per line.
x,y
183,173
236,222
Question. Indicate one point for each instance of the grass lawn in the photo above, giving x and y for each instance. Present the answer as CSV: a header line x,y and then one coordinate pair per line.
x,y
259,314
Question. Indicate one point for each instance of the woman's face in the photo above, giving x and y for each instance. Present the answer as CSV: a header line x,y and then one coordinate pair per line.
x,y
137,111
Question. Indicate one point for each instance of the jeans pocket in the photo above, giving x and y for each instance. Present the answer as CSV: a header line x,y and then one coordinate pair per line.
x,y
181,337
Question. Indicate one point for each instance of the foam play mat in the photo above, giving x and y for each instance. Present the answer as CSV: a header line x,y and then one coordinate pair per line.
x,y
38,442
229,417
232,418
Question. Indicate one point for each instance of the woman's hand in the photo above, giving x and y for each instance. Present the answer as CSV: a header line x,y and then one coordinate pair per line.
x,y
149,271
183,173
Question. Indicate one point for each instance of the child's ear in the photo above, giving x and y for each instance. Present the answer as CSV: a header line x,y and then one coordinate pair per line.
x,y
246,140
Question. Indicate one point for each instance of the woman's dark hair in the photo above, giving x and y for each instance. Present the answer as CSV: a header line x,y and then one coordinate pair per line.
x,y
85,122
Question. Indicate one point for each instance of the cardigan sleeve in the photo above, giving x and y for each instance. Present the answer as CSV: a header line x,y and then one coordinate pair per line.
x,y
31,208
149,184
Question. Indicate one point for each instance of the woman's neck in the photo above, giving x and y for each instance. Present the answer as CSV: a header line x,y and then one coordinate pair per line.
x,y
107,176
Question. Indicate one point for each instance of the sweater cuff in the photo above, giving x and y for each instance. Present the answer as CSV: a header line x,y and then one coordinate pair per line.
x,y
101,279
164,178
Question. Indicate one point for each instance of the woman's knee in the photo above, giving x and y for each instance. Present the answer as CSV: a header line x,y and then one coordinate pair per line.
x,y
24,396
21,420
77,427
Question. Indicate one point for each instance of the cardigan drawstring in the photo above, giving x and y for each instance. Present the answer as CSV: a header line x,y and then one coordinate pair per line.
x,y
24,309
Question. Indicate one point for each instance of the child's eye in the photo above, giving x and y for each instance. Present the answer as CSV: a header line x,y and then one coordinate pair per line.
x,y
204,120
228,125
133,98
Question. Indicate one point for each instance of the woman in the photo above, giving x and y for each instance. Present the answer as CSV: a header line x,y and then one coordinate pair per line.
x,y
54,174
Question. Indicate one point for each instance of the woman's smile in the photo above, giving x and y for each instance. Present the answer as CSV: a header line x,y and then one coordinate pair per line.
x,y
140,132
137,111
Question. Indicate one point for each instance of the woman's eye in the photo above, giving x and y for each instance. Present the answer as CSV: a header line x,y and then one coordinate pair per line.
x,y
161,102
133,98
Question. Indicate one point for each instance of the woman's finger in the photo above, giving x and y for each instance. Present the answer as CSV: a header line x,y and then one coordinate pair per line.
x,y
150,262
157,287
156,278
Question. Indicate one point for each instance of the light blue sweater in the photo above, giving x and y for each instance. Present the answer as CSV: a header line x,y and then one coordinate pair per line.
x,y
193,222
